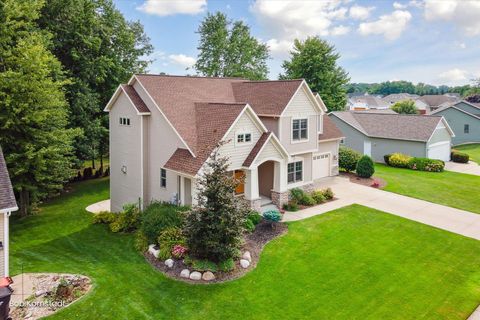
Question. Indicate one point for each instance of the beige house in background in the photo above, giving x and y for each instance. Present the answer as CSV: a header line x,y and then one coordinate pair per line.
x,y
7,206
163,129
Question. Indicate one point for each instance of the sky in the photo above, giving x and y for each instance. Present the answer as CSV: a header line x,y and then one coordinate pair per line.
x,y
430,41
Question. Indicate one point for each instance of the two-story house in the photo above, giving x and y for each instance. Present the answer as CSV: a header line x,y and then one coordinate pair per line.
x,y
163,130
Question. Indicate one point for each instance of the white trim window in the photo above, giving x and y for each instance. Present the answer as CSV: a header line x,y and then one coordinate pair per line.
x,y
299,129
244,138
124,121
295,171
163,178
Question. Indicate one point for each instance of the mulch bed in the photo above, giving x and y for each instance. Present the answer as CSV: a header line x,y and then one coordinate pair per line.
x,y
364,181
254,242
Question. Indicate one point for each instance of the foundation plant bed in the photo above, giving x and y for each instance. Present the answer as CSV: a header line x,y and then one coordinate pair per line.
x,y
374,182
300,199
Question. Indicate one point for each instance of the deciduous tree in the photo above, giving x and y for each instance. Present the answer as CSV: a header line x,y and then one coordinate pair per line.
x,y
405,107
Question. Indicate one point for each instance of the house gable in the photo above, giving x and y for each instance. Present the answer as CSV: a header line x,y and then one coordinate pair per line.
x,y
271,150
303,102
467,107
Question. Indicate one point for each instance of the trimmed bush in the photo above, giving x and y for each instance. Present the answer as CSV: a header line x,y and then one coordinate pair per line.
x,y
249,226
106,217
348,158
365,167
328,194
307,200
386,158
226,265
399,160
204,265
272,216
425,164
291,206
318,196
127,220
87,173
160,216
255,217
170,237
459,157
141,241
164,253
297,194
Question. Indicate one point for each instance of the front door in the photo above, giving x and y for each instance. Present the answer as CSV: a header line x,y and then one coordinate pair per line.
x,y
240,175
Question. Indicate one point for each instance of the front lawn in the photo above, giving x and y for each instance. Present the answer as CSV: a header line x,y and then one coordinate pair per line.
x,y
352,263
471,149
449,188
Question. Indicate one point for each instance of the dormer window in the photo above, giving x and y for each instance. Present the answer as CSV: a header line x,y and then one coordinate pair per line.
x,y
244,137
299,129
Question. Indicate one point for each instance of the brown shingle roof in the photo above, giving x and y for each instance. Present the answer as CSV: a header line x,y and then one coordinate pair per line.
x,y
434,100
7,198
212,121
391,126
137,101
256,149
330,130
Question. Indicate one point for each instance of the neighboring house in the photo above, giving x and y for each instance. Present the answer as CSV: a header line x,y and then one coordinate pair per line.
x,y
396,97
366,102
464,119
377,134
163,130
432,102
7,206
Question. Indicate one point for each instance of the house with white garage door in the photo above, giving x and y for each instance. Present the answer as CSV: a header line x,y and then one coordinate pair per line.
x,y
376,134
163,130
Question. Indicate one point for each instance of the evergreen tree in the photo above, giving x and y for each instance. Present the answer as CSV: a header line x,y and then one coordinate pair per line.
x,y
230,51
33,110
315,60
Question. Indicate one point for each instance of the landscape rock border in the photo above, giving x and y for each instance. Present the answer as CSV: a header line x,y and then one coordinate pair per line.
x,y
251,251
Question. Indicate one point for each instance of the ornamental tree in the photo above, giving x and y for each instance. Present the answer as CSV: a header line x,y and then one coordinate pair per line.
x,y
405,107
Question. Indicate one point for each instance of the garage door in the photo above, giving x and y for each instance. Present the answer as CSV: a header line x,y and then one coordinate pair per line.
x,y
321,165
440,151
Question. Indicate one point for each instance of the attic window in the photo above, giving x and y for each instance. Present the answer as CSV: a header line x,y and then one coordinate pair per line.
x,y
244,137
124,121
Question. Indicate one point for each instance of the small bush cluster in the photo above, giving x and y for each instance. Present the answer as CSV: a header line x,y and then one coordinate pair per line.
x,y
253,218
125,221
169,239
89,173
141,242
300,197
159,216
400,160
365,167
459,157
348,158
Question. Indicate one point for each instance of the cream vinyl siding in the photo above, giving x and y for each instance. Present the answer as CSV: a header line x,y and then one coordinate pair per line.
x,y
441,134
238,152
300,107
125,150
161,143
268,152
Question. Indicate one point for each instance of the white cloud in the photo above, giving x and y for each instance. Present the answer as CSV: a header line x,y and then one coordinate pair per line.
x,y
280,48
171,7
462,45
360,13
340,30
390,26
289,19
182,60
398,5
454,76
464,14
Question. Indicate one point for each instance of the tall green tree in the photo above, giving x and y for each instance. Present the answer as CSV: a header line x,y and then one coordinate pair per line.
x,y
33,110
405,107
316,61
99,49
227,49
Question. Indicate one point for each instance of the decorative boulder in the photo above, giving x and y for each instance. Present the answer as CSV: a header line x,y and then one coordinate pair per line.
x,y
244,263
153,251
185,273
247,256
169,263
195,275
208,276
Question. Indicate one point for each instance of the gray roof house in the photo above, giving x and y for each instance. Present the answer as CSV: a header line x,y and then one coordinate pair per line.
x,y
376,134
7,206
464,119
434,101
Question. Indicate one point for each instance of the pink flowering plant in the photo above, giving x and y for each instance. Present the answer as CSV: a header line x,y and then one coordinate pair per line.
x,y
179,251
375,183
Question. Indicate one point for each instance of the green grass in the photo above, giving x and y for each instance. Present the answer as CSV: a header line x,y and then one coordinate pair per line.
x,y
471,149
449,188
352,263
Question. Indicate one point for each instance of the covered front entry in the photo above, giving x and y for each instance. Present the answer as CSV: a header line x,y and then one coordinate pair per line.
x,y
266,173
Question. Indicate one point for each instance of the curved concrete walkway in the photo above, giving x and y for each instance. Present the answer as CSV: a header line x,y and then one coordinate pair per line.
x,y
99,206
468,168
454,220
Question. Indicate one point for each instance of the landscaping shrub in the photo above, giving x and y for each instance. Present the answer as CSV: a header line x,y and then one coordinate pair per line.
x,y
425,164
249,226
365,167
386,158
160,216
348,158
255,217
328,194
272,216
291,206
226,265
170,237
141,241
106,217
307,200
459,157
127,220
399,160
164,253
204,265
179,251
297,194
318,196
87,173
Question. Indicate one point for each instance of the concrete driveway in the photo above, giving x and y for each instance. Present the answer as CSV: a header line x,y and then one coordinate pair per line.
x,y
458,221
468,168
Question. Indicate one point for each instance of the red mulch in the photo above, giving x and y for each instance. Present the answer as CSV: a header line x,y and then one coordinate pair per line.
x,y
369,182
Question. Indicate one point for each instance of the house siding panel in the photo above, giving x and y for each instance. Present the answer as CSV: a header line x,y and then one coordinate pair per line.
x,y
271,124
440,135
457,120
268,152
381,147
354,139
468,108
